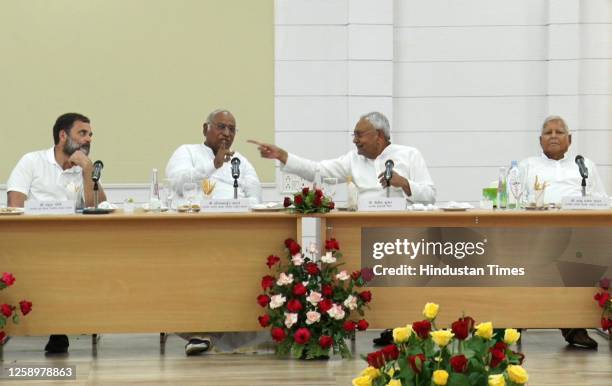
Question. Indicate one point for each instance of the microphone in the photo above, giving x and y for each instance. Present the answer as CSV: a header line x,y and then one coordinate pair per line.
x,y
235,168
97,171
584,172
388,170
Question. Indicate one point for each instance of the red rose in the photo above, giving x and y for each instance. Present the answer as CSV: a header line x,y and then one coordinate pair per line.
x,y
287,202
317,201
422,328
267,282
327,290
498,354
459,363
331,205
278,334
332,244
355,275
606,323
376,359
325,305
305,191
302,335
298,200
299,289
288,242
366,296
602,298
294,305
262,300
391,352
312,269
604,283
25,307
367,274
264,320
6,310
349,326
462,327
326,341
318,193
362,325
294,248
8,279
272,260
416,362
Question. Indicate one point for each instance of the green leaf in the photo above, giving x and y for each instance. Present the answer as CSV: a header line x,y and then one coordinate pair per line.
x,y
2,321
297,350
456,379
15,318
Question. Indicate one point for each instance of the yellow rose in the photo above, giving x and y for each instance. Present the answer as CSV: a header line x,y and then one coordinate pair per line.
x,y
401,334
441,337
394,382
431,310
485,330
391,372
371,372
517,374
440,377
497,380
511,336
362,381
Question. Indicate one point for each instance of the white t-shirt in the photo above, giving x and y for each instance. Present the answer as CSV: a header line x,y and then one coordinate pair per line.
x,y
41,178
409,163
196,163
562,176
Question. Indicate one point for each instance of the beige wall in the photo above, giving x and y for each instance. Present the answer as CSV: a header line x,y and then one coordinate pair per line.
x,y
146,72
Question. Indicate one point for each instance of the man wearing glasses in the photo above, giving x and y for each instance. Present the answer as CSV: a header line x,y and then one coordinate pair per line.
x,y
366,164
211,160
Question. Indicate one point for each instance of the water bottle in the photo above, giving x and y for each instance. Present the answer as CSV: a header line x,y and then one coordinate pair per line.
x,y
502,193
154,198
352,194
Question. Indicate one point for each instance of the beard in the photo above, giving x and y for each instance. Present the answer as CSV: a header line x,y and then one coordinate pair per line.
x,y
70,147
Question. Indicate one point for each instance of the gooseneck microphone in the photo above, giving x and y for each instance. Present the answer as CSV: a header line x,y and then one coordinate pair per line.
x,y
97,171
388,174
584,172
235,174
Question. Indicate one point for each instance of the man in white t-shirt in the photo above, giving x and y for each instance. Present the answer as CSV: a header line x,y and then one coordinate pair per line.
x,y
562,177
366,163
60,173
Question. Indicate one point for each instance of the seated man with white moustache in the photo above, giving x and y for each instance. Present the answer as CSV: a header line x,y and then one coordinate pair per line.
x,y
562,177
366,163
61,173
210,160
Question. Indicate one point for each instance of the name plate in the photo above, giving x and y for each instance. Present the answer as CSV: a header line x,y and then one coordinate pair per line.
x,y
49,207
588,202
226,205
380,204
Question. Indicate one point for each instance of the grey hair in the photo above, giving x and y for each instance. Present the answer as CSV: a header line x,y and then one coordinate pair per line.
x,y
553,118
380,122
211,116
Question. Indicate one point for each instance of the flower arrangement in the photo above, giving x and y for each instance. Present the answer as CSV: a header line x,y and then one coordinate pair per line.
x,y
309,302
9,311
309,201
603,298
465,355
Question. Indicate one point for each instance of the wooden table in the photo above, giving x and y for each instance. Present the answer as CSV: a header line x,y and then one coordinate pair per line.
x,y
536,307
140,273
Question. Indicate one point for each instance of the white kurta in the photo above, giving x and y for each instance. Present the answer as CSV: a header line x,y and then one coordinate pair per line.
x,y
562,176
41,178
408,163
196,163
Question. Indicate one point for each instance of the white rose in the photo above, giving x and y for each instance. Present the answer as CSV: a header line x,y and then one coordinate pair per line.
x,y
313,248
350,302
328,258
277,301
336,312
312,317
284,279
314,298
290,319
343,276
297,259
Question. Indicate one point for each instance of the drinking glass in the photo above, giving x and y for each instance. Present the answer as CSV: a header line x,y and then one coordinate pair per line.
x,y
329,186
190,191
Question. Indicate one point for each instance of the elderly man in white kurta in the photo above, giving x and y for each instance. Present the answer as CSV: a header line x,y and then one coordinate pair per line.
x,y
366,163
562,176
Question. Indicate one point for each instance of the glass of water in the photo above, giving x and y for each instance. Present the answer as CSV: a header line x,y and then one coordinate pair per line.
x,y
329,186
190,192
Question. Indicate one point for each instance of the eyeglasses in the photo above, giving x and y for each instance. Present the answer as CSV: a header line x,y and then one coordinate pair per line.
x,y
357,134
222,127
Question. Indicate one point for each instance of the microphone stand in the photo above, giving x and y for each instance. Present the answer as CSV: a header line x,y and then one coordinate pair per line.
x,y
388,188
583,186
95,193
235,188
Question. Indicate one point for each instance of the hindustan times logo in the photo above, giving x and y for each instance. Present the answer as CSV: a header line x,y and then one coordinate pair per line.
x,y
411,249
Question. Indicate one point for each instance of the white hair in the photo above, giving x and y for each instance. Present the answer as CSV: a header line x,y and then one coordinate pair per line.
x,y
212,115
555,118
380,122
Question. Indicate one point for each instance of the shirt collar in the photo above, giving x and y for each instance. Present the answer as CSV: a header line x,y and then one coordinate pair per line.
x,y
544,156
